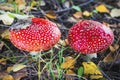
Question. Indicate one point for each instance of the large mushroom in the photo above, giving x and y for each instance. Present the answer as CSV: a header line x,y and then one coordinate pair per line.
x,y
34,35
90,37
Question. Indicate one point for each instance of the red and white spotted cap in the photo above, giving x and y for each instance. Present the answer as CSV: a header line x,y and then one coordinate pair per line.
x,y
90,36
35,34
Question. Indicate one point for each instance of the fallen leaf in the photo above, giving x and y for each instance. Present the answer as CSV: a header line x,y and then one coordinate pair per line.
x,y
72,19
67,4
6,34
7,20
33,3
106,24
76,8
91,69
51,14
114,48
3,61
109,58
2,74
86,13
20,74
9,69
63,42
70,73
115,12
69,62
78,15
18,67
1,45
102,8
8,77
6,7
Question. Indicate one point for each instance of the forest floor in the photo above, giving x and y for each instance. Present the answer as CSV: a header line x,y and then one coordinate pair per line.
x,y
60,62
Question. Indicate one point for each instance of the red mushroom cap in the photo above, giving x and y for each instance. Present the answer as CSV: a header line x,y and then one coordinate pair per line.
x,y
34,35
89,37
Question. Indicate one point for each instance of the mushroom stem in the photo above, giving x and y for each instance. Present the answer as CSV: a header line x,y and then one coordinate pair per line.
x,y
90,56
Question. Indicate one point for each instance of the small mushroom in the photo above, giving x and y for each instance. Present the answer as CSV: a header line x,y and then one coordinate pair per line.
x,y
90,37
34,35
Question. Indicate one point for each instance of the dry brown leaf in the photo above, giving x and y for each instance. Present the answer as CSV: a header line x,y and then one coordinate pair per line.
x,y
112,49
51,14
102,8
8,77
63,42
78,15
86,13
106,24
69,73
3,61
108,58
20,74
116,46
6,34
69,62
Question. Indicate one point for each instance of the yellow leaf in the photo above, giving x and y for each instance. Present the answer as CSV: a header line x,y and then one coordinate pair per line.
x,y
51,14
33,3
69,63
91,69
86,13
78,15
5,34
18,67
9,69
3,61
8,77
102,8
70,72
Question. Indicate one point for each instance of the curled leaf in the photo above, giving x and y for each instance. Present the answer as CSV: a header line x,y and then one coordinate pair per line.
x,y
91,69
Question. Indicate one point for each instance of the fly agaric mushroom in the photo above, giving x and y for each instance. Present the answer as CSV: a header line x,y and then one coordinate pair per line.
x,y
34,35
89,37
